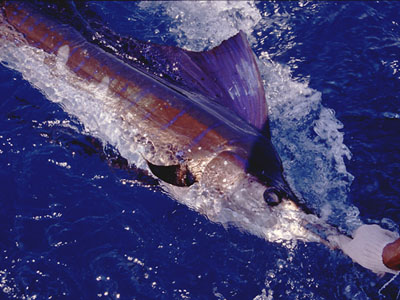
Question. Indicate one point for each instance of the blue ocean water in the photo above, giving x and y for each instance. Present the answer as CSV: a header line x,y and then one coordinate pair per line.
x,y
74,227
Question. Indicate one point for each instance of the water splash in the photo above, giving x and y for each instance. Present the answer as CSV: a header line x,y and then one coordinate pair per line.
x,y
308,138
199,25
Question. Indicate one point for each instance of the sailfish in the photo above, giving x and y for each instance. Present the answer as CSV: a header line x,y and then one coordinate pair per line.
x,y
201,127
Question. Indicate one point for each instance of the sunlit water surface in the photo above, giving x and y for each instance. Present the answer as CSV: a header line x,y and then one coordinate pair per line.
x,y
73,227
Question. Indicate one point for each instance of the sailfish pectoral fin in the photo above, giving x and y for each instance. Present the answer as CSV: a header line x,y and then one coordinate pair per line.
x,y
178,175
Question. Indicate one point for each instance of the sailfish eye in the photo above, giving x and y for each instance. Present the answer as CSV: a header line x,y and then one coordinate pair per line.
x,y
272,196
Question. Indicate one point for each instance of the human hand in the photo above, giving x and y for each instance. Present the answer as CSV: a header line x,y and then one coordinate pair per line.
x,y
366,247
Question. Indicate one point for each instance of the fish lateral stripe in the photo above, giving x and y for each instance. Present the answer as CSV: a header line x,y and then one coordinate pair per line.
x,y
81,64
24,20
124,88
181,113
84,65
43,38
35,24
135,97
147,115
190,126
120,86
72,52
198,138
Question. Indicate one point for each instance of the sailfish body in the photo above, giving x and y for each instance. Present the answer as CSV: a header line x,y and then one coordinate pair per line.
x,y
205,136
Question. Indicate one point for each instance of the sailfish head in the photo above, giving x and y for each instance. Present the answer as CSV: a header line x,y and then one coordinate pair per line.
x,y
242,182
254,169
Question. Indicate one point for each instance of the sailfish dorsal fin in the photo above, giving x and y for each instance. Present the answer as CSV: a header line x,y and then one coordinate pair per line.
x,y
228,74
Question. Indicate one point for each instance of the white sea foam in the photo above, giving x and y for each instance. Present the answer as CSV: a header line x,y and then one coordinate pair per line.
x,y
308,137
205,24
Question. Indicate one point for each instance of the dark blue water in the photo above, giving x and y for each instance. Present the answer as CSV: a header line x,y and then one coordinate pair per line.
x,y
74,227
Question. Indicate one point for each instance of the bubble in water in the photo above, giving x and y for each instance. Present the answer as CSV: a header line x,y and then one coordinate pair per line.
x,y
205,24
307,137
